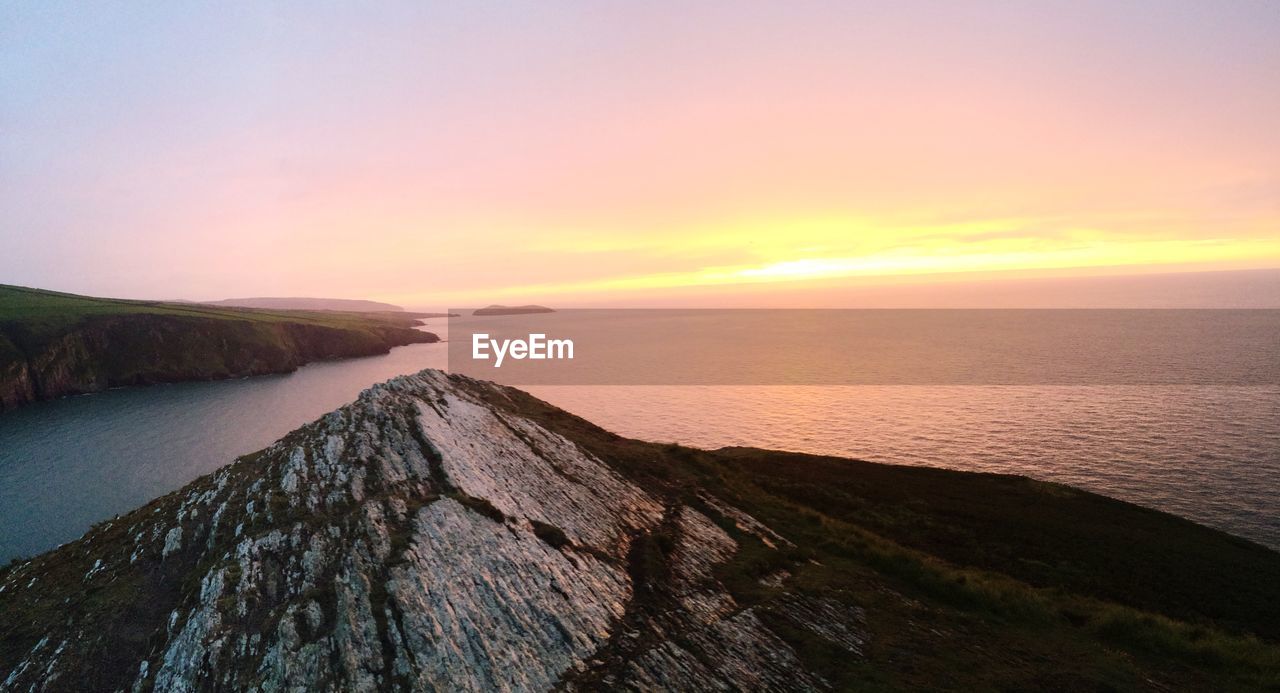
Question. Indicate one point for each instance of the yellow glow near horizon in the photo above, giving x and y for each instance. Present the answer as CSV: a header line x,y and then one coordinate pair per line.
x,y
582,155
853,250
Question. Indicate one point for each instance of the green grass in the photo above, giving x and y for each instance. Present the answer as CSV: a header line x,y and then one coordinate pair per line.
x,y
54,344
1045,535
50,311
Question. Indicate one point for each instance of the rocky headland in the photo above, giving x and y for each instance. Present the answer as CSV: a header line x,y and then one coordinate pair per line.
x,y
442,533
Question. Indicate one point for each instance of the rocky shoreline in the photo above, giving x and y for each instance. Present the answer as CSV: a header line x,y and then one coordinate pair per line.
x,y
403,542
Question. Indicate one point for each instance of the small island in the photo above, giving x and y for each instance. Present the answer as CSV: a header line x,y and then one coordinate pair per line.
x,y
511,310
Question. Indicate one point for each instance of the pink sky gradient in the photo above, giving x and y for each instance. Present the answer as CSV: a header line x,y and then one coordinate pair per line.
x,y
579,153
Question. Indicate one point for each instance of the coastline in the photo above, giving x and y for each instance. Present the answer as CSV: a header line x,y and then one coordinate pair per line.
x,y
54,344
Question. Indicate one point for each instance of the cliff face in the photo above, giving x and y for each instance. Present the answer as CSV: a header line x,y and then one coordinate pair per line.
x,y
418,538
100,352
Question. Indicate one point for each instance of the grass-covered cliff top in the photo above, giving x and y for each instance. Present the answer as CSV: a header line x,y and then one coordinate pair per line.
x,y
55,344
52,311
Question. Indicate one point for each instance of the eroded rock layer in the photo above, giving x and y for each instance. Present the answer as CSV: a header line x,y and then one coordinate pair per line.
x,y
422,538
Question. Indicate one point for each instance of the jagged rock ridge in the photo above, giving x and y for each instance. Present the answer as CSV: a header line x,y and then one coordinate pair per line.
x,y
424,537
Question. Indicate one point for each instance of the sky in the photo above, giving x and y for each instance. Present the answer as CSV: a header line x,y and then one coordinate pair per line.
x,y
434,154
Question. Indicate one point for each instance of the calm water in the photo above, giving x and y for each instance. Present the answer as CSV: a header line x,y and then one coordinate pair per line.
x,y
69,463
1208,452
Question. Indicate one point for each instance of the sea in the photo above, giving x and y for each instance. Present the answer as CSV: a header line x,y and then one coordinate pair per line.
x,y
1196,433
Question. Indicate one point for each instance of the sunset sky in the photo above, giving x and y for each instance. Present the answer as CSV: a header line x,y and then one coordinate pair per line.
x,y
436,154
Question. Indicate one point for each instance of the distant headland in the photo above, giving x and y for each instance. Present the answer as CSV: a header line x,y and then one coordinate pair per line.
x,y
303,303
54,344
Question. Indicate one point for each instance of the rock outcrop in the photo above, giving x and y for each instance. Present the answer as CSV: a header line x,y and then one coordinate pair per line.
x,y
426,537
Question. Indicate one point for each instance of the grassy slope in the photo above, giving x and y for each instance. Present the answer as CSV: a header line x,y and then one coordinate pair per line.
x,y
53,343
979,581
51,311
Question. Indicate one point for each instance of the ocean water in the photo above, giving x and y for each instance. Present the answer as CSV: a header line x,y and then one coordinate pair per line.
x,y
1209,451
69,463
